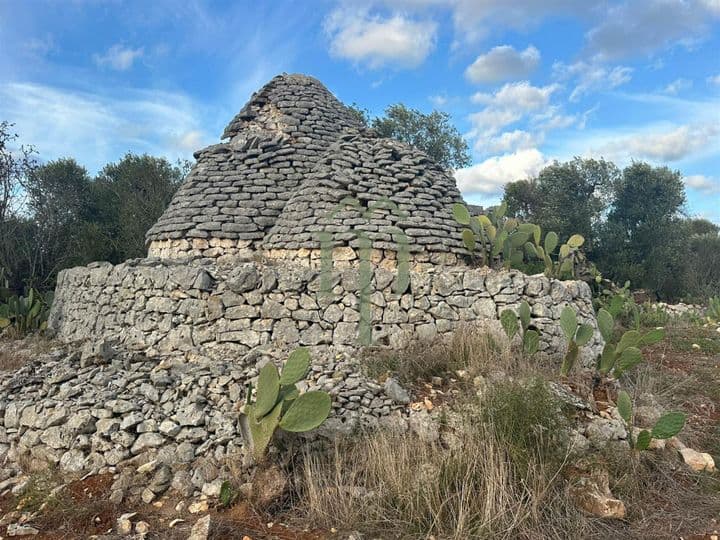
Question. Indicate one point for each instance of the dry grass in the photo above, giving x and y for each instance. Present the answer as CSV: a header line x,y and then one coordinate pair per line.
x,y
15,353
470,349
663,499
11,361
501,478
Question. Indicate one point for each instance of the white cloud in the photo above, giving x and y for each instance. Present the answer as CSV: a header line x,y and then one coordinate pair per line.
x,y
491,175
502,63
641,27
511,141
670,145
377,41
703,183
677,86
592,76
714,80
554,118
520,96
508,105
99,129
118,57
475,19
438,100
190,141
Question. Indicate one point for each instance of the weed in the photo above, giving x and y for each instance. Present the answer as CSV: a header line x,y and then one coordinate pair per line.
x,y
658,494
527,419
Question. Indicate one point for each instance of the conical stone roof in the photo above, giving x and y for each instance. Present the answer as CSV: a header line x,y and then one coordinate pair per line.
x,y
237,189
280,184
381,189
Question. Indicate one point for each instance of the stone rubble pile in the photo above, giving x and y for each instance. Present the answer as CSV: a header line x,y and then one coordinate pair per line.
x,y
679,309
88,412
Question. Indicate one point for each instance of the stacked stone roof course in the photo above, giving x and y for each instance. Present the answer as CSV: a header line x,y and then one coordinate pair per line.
x,y
395,189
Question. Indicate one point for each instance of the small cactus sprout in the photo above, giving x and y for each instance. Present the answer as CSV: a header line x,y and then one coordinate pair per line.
x,y
279,404
513,323
669,425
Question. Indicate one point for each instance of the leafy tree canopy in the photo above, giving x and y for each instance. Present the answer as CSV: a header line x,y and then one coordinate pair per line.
x,y
432,133
567,198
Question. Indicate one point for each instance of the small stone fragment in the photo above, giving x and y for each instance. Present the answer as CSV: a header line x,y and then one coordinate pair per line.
x,y
201,529
698,461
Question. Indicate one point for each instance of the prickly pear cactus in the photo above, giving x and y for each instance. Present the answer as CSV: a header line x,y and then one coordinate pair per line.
x,y
279,404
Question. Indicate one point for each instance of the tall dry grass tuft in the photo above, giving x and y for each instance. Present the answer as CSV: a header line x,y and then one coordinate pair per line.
x,y
395,485
469,348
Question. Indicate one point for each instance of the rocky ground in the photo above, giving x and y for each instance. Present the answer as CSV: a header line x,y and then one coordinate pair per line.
x,y
99,444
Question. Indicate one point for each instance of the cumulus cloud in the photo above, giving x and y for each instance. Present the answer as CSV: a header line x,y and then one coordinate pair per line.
x,y
553,118
677,86
503,63
491,175
521,96
591,76
439,100
671,145
474,19
509,104
641,27
118,57
377,41
703,183
99,129
510,141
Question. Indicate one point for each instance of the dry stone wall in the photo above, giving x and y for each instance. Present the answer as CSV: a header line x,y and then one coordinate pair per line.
x,y
164,306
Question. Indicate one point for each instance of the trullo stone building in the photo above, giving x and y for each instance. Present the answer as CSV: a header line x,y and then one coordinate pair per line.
x,y
295,230
261,246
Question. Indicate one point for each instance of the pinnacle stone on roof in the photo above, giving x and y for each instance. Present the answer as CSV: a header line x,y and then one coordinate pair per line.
x,y
287,161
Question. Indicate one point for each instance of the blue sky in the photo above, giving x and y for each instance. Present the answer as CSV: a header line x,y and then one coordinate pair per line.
x,y
526,82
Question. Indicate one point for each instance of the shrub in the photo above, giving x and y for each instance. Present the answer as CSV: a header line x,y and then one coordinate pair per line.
x,y
527,419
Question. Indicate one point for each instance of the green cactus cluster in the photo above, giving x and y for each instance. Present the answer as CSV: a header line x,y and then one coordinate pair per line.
x,y
279,404
494,238
615,360
24,314
564,264
577,336
618,357
513,323
667,426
